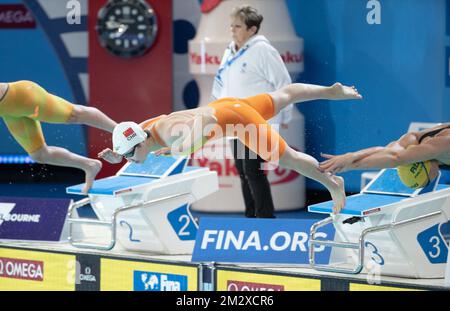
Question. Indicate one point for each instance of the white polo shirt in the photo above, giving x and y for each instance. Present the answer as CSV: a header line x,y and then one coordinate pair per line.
x,y
256,68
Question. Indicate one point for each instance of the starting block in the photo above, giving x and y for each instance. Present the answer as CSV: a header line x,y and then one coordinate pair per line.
x,y
388,229
144,207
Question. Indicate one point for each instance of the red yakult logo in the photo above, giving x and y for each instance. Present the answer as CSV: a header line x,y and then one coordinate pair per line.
x,y
226,168
288,58
292,58
208,59
283,176
129,134
233,286
21,269
16,16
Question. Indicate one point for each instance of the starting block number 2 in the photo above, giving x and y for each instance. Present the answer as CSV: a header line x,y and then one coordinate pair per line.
x,y
182,223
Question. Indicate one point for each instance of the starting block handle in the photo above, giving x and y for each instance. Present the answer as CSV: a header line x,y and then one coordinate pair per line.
x,y
313,242
335,244
111,224
359,246
79,244
71,221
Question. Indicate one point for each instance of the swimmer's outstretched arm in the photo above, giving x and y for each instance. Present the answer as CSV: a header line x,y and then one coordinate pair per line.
x,y
189,142
345,162
375,157
353,160
392,155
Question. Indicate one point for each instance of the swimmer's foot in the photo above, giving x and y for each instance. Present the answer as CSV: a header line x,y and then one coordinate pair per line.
x,y
338,194
339,92
91,171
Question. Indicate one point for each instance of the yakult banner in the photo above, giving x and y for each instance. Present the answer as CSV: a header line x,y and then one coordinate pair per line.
x,y
32,219
268,241
287,186
205,54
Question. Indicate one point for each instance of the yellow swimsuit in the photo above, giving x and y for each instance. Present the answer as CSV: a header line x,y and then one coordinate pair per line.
x,y
24,106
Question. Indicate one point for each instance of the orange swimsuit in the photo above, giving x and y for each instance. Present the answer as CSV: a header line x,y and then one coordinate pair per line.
x,y
245,119
24,105
255,110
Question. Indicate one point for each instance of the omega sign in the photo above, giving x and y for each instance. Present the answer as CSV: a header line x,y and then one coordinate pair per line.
x,y
16,16
21,269
249,286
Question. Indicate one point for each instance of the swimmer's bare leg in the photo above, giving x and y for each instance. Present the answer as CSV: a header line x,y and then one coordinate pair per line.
x,y
62,157
309,167
300,92
91,116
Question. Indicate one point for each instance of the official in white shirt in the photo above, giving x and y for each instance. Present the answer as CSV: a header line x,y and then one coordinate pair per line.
x,y
250,66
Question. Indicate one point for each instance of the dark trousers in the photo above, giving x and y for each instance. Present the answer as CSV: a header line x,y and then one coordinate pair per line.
x,y
254,183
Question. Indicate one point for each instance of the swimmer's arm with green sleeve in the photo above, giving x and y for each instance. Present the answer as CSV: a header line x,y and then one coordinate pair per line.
x,y
194,141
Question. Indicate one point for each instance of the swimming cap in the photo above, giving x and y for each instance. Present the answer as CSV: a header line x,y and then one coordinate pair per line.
x,y
415,175
127,135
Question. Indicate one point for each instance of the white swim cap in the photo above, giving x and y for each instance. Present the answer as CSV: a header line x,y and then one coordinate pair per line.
x,y
127,135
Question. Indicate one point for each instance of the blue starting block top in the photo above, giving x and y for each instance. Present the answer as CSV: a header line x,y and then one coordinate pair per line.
x,y
113,185
358,205
384,190
134,175
155,166
388,182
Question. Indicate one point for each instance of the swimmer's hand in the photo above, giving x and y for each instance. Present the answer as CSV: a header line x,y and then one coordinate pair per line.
x,y
337,163
110,156
162,151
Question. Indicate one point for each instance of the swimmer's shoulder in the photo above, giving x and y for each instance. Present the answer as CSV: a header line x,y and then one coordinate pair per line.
x,y
149,122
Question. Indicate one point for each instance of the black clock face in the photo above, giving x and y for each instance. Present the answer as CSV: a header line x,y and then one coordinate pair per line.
x,y
127,28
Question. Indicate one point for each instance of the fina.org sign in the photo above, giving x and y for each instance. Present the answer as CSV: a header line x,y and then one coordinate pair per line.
x,y
153,281
243,240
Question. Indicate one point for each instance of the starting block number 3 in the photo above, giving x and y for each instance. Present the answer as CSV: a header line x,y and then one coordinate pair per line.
x,y
375,255
433,245
182,223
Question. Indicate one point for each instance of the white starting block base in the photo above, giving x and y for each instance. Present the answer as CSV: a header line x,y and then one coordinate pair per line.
x,y
396,230
145,207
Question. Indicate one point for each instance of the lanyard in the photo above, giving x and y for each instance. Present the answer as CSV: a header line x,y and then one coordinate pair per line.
x,y
231,59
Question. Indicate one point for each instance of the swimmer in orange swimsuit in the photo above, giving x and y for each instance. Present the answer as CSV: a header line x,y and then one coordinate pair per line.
x,y
24,104
186,131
